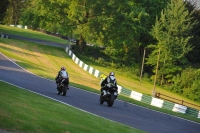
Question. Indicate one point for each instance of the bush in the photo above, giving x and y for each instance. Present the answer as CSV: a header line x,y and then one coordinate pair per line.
x,y
187,84
100,60
146,77
193,93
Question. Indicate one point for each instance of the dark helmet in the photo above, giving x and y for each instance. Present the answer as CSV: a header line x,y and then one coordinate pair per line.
x,y
112,74
62,68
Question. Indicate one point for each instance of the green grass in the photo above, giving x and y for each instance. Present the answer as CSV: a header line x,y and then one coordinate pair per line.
x,y
45,61
23,111
30,34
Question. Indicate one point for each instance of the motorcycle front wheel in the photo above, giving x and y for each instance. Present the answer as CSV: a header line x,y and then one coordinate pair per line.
x,y
111,100
101,101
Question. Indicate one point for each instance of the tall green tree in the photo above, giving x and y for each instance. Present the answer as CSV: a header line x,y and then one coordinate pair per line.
x,y
13,11
153,9
194,54
117,24
48,15
172,33
3,8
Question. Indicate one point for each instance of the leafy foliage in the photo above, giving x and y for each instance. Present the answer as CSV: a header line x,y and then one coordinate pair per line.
x,y
125,28
153,9
193,55
187,84
172,33
3,7
13,11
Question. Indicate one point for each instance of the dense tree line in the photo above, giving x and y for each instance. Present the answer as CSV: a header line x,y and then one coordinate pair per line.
x,y
3,7
168,29
172,32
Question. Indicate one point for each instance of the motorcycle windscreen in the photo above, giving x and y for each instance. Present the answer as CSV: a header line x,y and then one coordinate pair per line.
x,y
64,74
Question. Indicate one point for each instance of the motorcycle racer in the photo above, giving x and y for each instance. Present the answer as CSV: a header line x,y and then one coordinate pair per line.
x,y
108,82
62,74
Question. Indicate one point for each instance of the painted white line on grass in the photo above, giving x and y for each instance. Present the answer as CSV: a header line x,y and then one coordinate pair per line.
x,y
98,94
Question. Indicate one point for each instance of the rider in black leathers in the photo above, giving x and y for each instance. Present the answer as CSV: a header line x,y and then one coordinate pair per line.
x,y
108,82
59,77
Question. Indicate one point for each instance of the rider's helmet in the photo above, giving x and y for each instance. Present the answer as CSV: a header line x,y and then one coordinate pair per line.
x,y
63,69
112,74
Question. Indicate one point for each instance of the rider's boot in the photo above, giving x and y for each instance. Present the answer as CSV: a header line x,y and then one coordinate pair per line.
x,y
58,92
57,87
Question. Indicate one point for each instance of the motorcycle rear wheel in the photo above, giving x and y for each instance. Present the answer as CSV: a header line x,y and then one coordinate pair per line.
x,y
64,90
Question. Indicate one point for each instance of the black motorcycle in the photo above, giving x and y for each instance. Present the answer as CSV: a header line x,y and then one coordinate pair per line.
x,y
63,86
110,96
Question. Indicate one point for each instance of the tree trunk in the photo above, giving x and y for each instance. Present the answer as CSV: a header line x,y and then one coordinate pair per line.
x,y
81,44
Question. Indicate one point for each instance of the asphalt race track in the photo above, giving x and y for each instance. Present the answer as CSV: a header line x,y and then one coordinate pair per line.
x,y
121,112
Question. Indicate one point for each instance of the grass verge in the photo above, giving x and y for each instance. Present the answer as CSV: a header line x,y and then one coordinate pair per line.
x,y
48,116
30,34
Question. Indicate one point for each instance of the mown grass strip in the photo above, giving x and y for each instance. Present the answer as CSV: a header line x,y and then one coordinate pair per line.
x,y
23,111
46,61
30,34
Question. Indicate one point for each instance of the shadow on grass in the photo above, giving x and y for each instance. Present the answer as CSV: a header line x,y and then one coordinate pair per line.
x,y
17,51
28,66
35,47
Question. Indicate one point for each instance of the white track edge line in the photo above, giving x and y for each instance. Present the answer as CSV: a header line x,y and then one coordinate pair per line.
x,y
98,94
64,103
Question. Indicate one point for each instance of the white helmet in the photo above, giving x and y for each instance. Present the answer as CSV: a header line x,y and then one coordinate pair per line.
x,y
112,74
